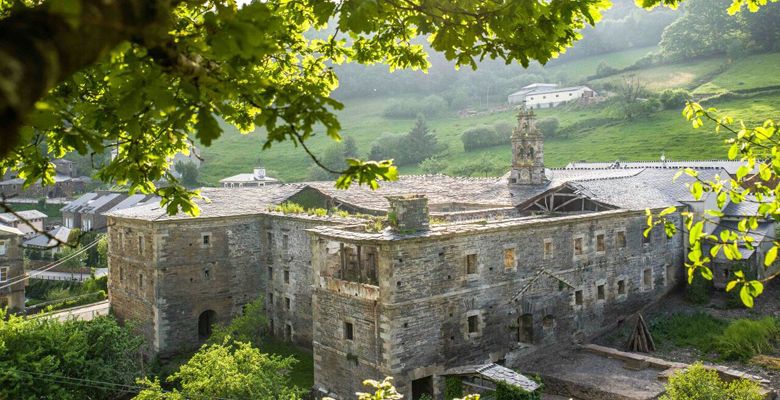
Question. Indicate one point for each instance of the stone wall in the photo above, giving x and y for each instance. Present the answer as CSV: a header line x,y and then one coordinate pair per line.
x,y
12,296
492,294
213,266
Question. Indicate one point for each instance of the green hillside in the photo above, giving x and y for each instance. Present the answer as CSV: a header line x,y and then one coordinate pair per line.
x,y
606,140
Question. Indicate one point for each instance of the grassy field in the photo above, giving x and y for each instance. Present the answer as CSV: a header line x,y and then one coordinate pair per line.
x,y
51,210
641,139
585,67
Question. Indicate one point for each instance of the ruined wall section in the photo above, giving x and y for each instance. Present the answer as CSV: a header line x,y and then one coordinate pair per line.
x,y
491,295
349,326
287,277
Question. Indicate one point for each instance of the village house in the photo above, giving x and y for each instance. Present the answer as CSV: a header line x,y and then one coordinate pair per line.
x,y
546,95
88,211
29,222
66,183
534,258
257,178
11,269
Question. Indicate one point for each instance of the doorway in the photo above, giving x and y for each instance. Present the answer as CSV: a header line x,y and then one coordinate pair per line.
x,y
422,387
205,322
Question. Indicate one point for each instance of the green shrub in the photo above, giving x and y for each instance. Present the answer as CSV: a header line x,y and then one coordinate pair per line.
x,y
745,338
453,388
481,136
505,391
674,98
700,383
548,126
696,330
429,106
698,291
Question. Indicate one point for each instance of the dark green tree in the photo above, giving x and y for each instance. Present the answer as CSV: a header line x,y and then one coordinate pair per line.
x,y
188,172
419,144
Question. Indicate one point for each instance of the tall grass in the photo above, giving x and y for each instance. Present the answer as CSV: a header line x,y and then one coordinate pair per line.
x,y
697,330
745,338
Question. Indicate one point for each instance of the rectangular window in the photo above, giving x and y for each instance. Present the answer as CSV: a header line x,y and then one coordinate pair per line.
x,y
577,246
578,297
3,247
286,276
121,274
270,273
285,242
509,259
646,239
287,303
473,324
271,325
140,281
349,333
600,245
620,239
600,292
270,237
548,249
4,274
140,245
471,263
206,240
270,298
647,277
621,286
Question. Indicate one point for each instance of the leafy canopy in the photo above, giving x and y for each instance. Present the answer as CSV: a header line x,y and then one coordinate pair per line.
x,y
178,74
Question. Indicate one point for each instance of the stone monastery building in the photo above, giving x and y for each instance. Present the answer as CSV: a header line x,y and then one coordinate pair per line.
x,y
537,257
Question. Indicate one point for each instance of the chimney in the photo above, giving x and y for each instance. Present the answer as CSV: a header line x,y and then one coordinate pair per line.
x,y
408,213
259,173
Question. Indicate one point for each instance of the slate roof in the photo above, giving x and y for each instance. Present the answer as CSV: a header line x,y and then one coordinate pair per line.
x,y
42,241
134,200
248,177
496,373
729,165
743,209
764,230
98,205
222,202
28,215
75,204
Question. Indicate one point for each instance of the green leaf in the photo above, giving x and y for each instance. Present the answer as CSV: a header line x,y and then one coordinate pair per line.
x,y
706,273
746,297
731,285
667,211
207,128
770,256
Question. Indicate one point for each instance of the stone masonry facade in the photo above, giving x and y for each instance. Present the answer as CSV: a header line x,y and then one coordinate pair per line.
x,y
493,293
469,270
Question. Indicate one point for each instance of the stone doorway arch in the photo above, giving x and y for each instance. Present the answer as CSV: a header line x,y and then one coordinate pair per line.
x,y
205,321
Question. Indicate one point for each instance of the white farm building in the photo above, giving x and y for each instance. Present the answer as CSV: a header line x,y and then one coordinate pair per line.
x,y
546,95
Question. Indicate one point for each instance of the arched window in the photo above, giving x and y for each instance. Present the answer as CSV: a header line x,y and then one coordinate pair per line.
x,y
530,153
521,153
205,321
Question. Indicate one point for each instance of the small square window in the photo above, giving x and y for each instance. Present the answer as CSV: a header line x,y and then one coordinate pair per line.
x,y
647,238
473,322
3,247
286,276
4,274
620,239
471,264
621,286
577,246
349,333
600,245
600,292
206,240
548,249
578,297
647,277
509,259
287,303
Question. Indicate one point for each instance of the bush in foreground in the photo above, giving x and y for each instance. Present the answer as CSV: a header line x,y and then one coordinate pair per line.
x,y
700,383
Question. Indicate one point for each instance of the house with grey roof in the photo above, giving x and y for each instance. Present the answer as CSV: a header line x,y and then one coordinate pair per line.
x,y
12,275
257,178
88,211
66,183
28,222
546,95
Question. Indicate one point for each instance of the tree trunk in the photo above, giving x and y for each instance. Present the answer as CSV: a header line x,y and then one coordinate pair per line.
x,y
41,47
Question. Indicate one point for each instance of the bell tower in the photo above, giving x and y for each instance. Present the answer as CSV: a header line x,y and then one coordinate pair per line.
x,y
527,152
